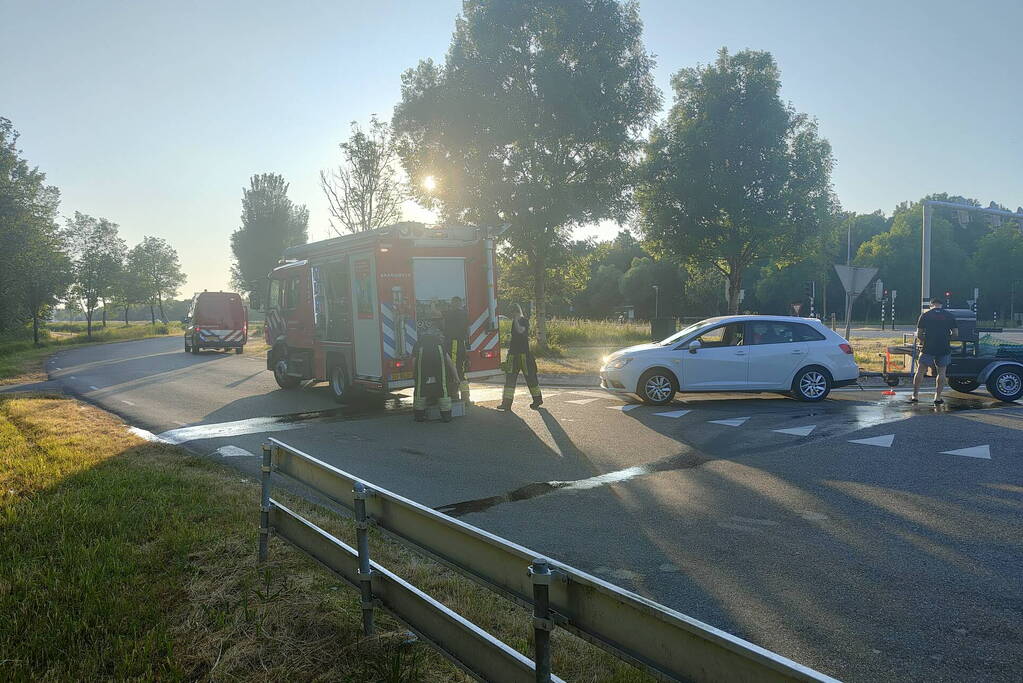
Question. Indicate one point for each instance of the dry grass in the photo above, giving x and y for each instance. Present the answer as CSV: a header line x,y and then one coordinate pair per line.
x,y
128,559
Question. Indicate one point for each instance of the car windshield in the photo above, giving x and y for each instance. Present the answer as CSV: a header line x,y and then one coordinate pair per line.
x,y
683,333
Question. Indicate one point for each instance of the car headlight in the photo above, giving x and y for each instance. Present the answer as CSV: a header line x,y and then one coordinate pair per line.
x,y
618,363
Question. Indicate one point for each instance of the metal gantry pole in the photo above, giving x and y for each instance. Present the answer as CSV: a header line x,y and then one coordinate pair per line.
x,y
264,504
365,571
540,572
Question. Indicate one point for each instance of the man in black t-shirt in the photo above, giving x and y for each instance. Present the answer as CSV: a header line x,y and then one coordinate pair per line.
x,y
935,329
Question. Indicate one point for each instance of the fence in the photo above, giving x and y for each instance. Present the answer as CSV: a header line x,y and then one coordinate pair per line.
x,y
665,643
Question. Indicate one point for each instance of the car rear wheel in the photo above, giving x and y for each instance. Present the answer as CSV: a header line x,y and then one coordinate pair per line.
x,y
283,379
339,383
811,384
1006,384
657,387
963,384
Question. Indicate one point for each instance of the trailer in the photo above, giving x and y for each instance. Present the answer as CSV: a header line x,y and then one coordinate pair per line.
x,y
999,369
348,310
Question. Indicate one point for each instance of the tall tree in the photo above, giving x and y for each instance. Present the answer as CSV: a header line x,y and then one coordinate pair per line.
x,y
155,263
270,223
98,254
365,192
33,267
733,175
533,120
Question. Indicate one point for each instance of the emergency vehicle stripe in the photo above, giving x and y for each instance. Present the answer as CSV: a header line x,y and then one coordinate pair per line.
x,y
492,342
387,326
479,321
410,336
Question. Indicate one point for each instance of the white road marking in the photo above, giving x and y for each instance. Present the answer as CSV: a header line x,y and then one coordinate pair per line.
x,y
674,413
593,394
885,441
972,452
604,479
94,388
234,452
583,401
730,422
797,431
256,425
128,402
625,408
146,434
183,424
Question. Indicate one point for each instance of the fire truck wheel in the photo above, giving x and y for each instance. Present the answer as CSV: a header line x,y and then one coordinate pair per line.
x,y
339,383
195,348
238,350
1006,384
963,384
284,380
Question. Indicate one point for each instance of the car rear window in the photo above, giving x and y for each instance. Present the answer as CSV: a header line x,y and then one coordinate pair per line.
x,y
776,332
221,310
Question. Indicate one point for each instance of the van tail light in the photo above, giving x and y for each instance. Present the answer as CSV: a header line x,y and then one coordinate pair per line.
x,y
398,364
845,348
489,353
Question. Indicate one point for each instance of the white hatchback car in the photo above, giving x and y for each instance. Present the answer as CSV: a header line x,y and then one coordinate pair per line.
x,y
735,353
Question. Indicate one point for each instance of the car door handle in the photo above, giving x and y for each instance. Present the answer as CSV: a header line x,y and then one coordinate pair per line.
x,y
798,352
740,353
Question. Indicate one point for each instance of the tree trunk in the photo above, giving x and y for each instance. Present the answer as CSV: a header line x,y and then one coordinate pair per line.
x,y
163,317
126,316
152,313
88,323
104,314
540,299
35,328
734,286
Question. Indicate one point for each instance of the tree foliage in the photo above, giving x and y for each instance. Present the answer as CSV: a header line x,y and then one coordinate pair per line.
x,y
733,175
34,270
364,192
156,273
533,120
270,223
98,252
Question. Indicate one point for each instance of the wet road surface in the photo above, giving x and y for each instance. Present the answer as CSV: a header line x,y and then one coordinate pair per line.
x,y
864,536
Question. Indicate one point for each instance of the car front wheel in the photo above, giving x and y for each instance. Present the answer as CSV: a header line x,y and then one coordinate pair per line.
x,y
963,384
811,384
657,387
1006,384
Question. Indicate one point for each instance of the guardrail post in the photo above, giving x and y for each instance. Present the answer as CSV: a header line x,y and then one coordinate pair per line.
x,y
365,572
540,572
264,505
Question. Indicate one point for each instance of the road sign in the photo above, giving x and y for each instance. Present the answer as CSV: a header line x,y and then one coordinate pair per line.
x,y
878,290
855,279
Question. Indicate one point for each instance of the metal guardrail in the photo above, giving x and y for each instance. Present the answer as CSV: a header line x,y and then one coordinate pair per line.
x,y
662,641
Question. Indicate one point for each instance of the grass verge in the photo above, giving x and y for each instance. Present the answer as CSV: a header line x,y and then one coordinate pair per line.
x,y
21,361
128,559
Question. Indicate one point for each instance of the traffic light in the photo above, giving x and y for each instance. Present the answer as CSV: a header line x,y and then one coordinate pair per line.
x,y
808,289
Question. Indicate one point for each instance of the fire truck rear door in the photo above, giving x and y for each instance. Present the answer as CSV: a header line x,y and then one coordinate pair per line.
x,y
436,280
366,321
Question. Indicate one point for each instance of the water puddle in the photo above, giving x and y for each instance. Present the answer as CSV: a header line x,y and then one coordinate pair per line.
x,y
682,461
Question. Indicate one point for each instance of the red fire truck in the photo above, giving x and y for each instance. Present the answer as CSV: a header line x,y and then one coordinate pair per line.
x,y
348,310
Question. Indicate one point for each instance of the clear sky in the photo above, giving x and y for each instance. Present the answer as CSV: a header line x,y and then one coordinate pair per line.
x,y
154,115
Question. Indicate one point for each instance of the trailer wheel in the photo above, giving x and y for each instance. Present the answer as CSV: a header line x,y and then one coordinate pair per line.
x,y
963,384
338,380
1006,384
284,380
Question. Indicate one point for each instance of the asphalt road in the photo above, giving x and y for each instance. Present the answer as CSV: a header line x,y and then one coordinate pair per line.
x,y
888,559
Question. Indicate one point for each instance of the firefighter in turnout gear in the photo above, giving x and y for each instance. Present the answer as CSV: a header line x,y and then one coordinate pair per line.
x,y
435,375
520,360
456,336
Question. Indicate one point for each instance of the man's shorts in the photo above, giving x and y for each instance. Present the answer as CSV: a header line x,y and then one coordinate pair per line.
x,y
928,360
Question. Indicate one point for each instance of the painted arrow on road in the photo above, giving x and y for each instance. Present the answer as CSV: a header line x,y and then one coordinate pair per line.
x,y
972,452
885,441
730,422
797,431
674,413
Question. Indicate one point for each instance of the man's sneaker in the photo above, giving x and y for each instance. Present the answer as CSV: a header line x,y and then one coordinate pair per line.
x,y
535,405
504,406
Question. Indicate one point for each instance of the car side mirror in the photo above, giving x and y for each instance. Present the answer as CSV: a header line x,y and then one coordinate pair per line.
x,y
694,346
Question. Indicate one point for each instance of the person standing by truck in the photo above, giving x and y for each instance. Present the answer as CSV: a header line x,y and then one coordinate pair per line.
x,y
520,359
935,327
456,336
